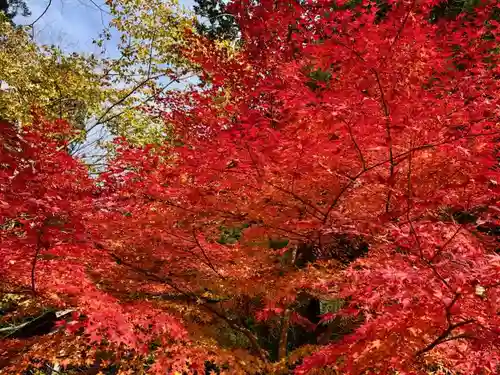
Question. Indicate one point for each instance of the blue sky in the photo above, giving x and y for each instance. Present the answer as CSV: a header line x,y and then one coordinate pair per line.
x,y
70,24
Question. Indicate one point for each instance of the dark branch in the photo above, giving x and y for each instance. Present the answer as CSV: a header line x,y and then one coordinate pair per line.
x,y
209,262
444,337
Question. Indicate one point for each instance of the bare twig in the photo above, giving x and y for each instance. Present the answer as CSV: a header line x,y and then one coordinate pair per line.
x,y
412,228
450,306
400,30
32,24
99,7
341,192
385,111
291,193
295,171
102,119
316,210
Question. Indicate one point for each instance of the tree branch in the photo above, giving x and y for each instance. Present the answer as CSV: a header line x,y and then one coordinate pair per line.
x,y
400,30
441,248
443,337
397,159
194,298
283,342
35,258
291,193
32,24
385,110
358,149
209,262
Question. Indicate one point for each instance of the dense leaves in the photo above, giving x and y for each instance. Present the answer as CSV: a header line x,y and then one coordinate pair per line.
x,y
335,180
43,77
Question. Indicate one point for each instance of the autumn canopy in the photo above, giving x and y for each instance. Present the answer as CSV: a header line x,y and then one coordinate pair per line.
x,y
343,155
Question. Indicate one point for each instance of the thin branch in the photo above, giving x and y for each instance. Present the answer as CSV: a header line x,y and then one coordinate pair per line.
x,y
297,197
450,306
341,192
148,78
438,275
101,137
153,276
257,169
209,262
283,341
93,144
99,7
107,72
221,15
444,337
358,149
295,171
458,337
102,118
356,53
35,259
400,30
385,110
151,47
398,159
412,228
32,24
196,299
301,200
385,107
441,248
167,202
287,231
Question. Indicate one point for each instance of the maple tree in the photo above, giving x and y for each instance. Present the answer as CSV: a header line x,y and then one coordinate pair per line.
x,y
365,143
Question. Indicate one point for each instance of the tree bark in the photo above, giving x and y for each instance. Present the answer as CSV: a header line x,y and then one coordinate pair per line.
x,y
285,324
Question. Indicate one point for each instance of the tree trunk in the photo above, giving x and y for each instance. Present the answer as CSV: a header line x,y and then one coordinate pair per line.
x,y
285,324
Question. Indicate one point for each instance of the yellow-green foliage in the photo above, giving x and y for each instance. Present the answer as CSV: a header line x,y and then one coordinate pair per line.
x,y
151,39
109,92
31,76
88,91
151,34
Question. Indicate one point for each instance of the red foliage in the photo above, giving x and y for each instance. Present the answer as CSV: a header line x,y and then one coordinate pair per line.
x,y
326,123
44,194
47,248
397,134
